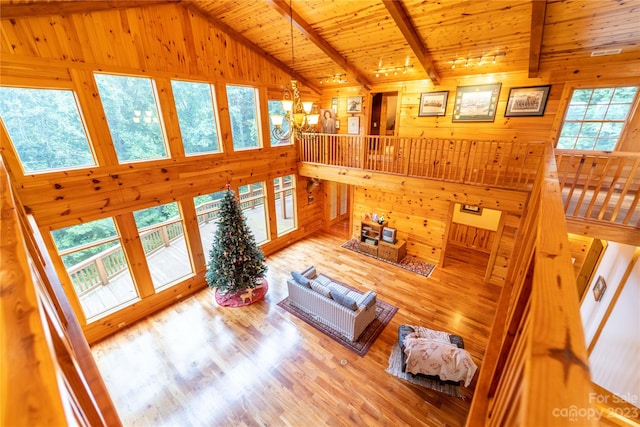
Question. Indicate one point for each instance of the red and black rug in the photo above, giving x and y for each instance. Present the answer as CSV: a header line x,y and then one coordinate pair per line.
x,y
409,263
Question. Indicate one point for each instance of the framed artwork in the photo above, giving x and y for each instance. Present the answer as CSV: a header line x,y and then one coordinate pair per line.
x,y
353,125
334,105
433,103
599,288
527,101
476,103
354,104
472,209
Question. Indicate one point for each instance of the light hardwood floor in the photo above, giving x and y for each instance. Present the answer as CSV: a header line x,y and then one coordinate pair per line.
x,y
197,364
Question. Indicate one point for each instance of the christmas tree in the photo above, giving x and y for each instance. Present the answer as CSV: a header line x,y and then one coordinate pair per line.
x,y
236,260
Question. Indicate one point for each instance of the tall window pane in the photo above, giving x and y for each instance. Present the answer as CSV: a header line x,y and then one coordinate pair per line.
x,y
595,118
284,189
195,107
252,203
93,256
275,107
208,212
132,114
162,234
45,129
243,110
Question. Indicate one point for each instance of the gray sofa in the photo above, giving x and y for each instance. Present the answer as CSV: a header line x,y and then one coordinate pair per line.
x,y
343,309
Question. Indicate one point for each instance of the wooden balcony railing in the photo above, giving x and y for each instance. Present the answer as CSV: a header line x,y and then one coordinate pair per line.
x,y
600,186
535,370
501,164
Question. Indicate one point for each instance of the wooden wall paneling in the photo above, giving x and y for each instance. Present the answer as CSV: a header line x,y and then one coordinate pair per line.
x,y
447,232
134,252
630,137
95,120
270,199
263,117
225,138
169,118
192,236
494,250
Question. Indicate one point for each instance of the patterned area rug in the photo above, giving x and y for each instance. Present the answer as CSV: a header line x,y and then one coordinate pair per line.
x,y
395,369
408,263
384,313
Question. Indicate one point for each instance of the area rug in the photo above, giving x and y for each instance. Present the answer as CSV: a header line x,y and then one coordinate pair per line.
x,y
408,263
395,369
384,313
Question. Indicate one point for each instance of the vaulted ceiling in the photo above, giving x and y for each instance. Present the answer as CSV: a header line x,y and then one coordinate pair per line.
x,y
351,42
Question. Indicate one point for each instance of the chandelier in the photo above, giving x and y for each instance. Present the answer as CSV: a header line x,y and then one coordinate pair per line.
x,y
300,116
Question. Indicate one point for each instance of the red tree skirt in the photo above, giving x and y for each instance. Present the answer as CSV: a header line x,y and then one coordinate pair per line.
x,y
241,299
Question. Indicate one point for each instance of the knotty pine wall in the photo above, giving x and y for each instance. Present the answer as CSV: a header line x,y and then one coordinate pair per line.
x,y
424,221
160,42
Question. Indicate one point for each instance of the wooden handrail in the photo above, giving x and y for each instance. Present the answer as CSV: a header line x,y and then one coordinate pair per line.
x,y
47,372
535,370
498,164
600,186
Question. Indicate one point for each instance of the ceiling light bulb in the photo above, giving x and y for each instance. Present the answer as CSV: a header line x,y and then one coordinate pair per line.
x,y
404,71
395,73
494,59
377,75
386,74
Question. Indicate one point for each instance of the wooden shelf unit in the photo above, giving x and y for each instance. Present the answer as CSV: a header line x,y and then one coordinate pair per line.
x,y
370,235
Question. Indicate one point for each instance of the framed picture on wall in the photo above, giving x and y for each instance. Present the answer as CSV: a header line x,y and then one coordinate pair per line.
x,y
599,288
476,103
354,104
433,103
353,125
472,209
527,101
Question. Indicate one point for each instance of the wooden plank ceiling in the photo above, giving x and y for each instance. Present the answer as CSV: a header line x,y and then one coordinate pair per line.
x,y
347,42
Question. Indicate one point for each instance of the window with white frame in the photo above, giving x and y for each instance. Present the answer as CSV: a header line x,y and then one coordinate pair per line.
x,y
596,117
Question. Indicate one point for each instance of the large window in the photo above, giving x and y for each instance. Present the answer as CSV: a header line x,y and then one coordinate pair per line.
x,y
45,129
93,256
195,107
596,117
252,203
275,107
162,234
133,117
285,191
208,212
244,116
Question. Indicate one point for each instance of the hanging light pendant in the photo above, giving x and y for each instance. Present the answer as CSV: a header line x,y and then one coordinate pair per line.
x,y
302,117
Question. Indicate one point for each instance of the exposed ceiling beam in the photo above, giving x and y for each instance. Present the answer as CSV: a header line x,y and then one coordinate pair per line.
x,y
249,44
538,15
283,8
408,30
19,10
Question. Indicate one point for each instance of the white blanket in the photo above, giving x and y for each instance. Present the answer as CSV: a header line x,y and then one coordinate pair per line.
x,y
430,352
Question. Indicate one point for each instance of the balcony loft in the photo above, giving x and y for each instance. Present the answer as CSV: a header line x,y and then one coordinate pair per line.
x,y
599,189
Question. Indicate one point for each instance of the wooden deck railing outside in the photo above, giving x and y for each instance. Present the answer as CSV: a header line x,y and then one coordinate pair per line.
x,y
600,186
491,163
98,269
